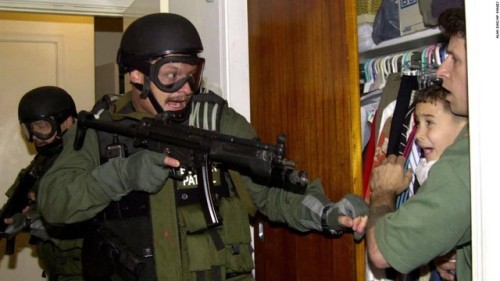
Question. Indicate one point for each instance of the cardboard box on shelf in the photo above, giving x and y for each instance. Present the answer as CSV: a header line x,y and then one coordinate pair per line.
x,y
410,18
366,18
366,10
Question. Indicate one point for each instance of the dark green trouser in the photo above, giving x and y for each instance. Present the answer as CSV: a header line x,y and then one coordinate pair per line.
x,y
60,265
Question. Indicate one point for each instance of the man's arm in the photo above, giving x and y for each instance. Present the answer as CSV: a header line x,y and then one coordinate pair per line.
x,y
77,186
68,193
294,209
378,208
386,182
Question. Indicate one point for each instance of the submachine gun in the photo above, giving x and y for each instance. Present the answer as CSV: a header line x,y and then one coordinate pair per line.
x,y
17,201
198,149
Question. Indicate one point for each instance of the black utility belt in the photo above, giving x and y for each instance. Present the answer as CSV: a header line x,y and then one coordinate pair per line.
x,y
67,231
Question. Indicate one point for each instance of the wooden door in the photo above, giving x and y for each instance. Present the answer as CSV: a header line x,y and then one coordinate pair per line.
x,y
304,82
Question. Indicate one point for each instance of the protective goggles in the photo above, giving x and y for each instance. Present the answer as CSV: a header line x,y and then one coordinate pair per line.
x,y
170,73
43,129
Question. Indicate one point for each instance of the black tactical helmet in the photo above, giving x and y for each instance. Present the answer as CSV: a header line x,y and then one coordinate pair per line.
x,y
41,112
154,36
44,102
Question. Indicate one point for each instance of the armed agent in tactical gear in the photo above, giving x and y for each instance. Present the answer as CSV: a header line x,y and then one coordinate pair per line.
x,y
148,221
45,114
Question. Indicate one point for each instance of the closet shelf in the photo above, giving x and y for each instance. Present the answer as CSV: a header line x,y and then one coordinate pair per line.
x,y
405,43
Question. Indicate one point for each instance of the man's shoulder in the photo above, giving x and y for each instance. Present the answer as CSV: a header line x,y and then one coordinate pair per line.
x,y
207,95
458,153
453,165
231,121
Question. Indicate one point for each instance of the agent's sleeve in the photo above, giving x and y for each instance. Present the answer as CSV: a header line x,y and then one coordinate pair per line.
x,y
68,192
275,203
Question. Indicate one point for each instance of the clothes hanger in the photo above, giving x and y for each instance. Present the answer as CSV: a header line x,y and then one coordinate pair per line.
x,y
395,63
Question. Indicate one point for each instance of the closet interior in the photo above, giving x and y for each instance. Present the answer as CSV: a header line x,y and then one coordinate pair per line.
x,y
390,74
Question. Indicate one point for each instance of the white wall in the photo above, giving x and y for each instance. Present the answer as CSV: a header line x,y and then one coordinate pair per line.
x,y
483,51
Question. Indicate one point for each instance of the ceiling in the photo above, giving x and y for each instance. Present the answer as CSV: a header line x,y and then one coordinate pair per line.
x,y
80,7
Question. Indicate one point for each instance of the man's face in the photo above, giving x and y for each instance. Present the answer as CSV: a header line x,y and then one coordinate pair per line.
x,y
453,72
174,77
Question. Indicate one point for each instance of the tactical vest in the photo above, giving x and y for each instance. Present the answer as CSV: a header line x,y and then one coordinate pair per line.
x,y
165,236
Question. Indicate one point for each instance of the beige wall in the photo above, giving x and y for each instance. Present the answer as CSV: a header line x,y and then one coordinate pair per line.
x,y
37,50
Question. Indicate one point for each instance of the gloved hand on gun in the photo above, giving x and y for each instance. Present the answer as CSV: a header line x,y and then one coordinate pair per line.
x,y
29,219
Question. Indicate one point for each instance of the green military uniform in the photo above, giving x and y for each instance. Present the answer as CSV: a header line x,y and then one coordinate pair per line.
x,y
60,259
174,241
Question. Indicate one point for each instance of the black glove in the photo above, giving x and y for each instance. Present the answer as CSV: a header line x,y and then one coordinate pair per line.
x,y
321,214
19,223
350,205
142,171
